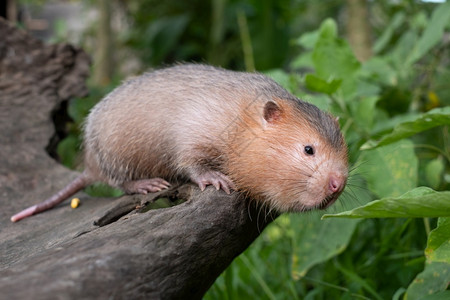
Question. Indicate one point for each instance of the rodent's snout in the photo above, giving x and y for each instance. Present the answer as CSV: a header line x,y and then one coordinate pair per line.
x,y
336,183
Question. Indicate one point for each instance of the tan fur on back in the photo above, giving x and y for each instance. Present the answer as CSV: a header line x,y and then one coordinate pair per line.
x,y
165,123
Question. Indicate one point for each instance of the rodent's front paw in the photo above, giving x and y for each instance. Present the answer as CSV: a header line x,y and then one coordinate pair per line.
x,y
145,186
215,178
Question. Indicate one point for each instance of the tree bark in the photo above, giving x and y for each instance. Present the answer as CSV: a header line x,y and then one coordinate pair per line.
x,y
358,29
104,57
106,248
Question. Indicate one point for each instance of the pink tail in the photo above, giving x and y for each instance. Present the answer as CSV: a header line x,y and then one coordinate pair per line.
x,y
79,183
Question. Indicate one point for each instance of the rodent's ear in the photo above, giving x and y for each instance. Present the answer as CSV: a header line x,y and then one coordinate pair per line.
x,y
272,112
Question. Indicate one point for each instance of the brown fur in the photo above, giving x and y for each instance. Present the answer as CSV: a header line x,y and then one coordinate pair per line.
x,y
196,121
270,167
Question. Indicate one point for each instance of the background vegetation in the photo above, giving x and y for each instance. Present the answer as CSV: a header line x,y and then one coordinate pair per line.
x,y
382,67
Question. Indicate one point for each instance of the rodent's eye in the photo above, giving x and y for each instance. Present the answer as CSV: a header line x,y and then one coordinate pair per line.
x,y
309,150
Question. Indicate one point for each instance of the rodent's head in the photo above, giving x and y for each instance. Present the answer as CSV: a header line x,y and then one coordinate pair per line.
x,y
296,157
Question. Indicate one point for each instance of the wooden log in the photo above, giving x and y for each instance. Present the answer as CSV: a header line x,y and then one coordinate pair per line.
x,y
106,248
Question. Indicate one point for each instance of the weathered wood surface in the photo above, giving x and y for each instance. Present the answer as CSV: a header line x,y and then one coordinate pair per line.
x,y
167,253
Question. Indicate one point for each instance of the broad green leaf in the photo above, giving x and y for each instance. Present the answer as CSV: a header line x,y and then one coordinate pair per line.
x,y
386,124
379,70
320,100
317,84
390,170
443,92
418,203
399,54
436,276
433,118
317,241
398,293
445,295
68,150
288,80
103,190
438,248
397,20
433,172
334,59
308,39
432,34
79,108
304,60
433,279
366,89
365,111
420,20
328,30
279,76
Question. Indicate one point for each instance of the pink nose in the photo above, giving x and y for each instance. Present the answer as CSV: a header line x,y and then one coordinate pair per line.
x,y
336,184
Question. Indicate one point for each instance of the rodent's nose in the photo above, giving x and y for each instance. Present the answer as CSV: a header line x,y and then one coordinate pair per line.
x,y
336,184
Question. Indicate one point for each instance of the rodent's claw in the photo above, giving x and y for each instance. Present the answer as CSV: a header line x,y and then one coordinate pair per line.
x,y
215,178
216,184
202,186
145,186
225,188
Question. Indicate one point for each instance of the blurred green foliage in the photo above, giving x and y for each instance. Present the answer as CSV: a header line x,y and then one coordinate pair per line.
x,y
398,144
393,110
196,30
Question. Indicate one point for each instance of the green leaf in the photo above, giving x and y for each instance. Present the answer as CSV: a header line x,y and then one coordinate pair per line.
x,y
438,296
429,281
436,275
68,149
438,248
288,80
162,35
317,84
308,39
399,53
433,118
365,111
304,60
433,172
317,241
320,100
280,76
79,108
432,34
366,89
103,190
420,20
390,170
418,203
334,59
356,278
381,43
379,70
386,124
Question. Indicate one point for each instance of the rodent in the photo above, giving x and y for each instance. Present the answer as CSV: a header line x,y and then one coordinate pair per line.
x,y
233,130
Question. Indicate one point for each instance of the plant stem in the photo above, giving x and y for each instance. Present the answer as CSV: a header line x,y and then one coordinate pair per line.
x,y
217,31
431,147
246,41
334,286
426,223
